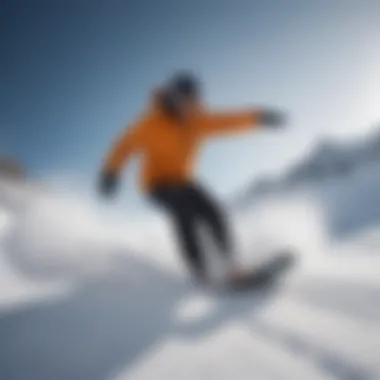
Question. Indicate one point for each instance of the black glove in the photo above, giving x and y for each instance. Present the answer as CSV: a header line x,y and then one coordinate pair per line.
x,y
272,118
108,184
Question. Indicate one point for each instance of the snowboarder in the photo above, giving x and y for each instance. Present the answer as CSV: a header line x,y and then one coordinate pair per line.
x,y
168,136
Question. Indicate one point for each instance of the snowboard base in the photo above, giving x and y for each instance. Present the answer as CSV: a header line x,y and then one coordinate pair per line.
x,y
266,273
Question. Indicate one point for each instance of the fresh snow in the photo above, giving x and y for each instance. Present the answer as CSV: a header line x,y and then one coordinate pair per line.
x,y
88,296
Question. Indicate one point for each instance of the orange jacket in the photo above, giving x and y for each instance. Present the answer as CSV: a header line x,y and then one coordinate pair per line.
x,y
169,149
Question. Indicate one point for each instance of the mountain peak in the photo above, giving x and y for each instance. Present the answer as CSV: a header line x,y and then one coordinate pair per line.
x,y
328,159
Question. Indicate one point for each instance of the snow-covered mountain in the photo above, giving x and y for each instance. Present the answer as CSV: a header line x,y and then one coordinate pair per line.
x,y
327,160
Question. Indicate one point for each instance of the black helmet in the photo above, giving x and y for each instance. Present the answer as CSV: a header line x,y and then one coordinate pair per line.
x,y
180,86
184,84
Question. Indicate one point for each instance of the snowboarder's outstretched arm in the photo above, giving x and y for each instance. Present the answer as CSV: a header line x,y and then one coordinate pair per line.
x,y
127,144
240,121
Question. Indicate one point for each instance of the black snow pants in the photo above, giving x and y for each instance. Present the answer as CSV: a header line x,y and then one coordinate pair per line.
x,y
188,206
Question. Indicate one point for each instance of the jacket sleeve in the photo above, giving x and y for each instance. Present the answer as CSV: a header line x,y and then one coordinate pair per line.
x,y
128,143
220,123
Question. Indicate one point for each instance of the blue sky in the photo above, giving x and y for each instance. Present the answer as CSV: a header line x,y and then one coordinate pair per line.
x,y
74,73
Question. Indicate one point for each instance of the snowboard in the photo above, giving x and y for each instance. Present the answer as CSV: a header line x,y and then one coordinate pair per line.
x,y
266,273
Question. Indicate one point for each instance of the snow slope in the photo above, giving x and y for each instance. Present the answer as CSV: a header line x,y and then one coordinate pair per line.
x,y
78,302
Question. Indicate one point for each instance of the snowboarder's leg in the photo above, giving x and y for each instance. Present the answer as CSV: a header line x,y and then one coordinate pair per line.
x,y
182,211
212,213
185,225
